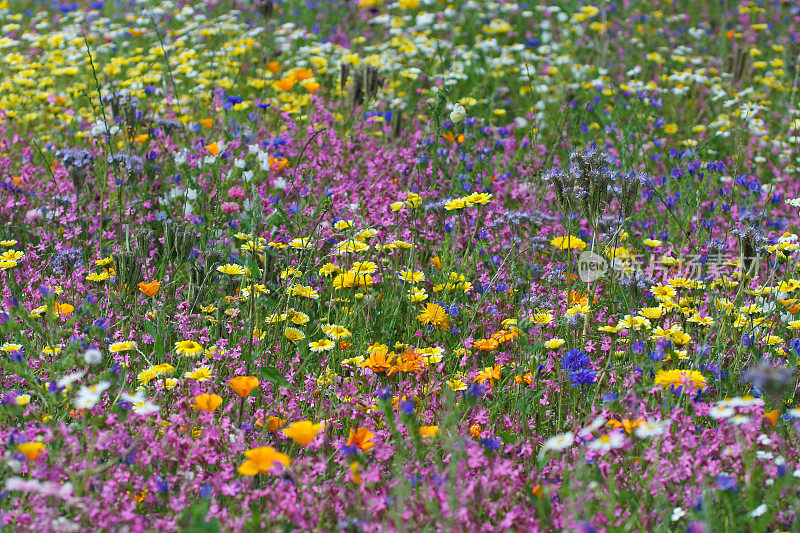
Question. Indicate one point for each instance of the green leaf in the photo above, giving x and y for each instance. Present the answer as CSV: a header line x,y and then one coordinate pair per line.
x,y
508,437
273,375
194,520
159,349
536,347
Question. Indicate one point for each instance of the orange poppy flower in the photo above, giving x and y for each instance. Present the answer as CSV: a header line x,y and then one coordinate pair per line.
x,y
771,417
362,438
273,423
149,289
577,297
449,137
526,379
428,432
64,309
312,87
274,66
207,402
626,424
285,84
206,122
243,385
303,432
302,73
213,149
277,164
261,460
139,496
31,450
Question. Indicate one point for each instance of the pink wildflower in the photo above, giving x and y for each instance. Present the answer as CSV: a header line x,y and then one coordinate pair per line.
x,y
236,192
230,207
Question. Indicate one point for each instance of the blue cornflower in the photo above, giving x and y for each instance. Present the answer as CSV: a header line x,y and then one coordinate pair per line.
x,y
795,344
575,359
385,394
725,482
161,484
747,340
475,389
610,397
584,376
349,450
492,443
407,406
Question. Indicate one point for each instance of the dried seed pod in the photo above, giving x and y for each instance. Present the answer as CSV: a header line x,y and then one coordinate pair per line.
x,y
752,238
629,192
84,223
184,244
357,91
197,285
265,7
169,238
179,241
79,164
373,81
229,285
771,378
129,270
269,272
143,239
370,81
212,258
560,183
201,274
78,177
344,73
397,122
591,170
584,186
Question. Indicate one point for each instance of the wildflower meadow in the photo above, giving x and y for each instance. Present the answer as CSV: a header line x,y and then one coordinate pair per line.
x,y
399,265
